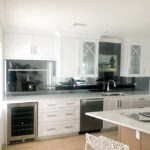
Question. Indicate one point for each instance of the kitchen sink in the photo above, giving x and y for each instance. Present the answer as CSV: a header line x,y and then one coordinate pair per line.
x,y
113,94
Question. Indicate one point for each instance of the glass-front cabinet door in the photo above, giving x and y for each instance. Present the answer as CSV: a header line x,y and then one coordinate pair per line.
x,y
135,60
89,58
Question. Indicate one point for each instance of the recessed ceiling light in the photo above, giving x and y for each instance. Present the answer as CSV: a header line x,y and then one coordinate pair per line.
x,y
78,24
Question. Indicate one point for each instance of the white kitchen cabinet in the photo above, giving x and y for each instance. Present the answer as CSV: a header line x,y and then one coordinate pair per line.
x,y
44,47
109,104
69,56
115,103
58,128
17,46
135,57
79,57
58,117
28,46
124,103
141,102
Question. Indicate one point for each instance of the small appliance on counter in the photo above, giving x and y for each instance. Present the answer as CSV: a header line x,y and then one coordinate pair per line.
x,y
29,86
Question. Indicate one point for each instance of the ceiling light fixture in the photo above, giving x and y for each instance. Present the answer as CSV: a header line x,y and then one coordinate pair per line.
x,y
77,24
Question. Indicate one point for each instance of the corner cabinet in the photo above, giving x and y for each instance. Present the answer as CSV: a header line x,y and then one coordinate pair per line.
x,y
29,46
79,57
135,57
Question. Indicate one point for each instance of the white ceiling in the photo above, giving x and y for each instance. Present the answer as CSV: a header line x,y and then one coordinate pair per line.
x,y
113,17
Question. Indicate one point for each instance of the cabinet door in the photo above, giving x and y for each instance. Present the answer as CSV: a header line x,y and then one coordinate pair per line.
x,y
145,61
69,56
17,46
125,104
135,59
89,58
109,104
140,103
44,47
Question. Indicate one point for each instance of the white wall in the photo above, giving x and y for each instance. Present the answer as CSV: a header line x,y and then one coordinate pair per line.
x,y
1,92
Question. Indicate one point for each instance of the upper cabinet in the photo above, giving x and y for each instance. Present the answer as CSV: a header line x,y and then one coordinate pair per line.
x,y
88,58
76,54
45,47
17,46
79,56
135,57
27,46
69,49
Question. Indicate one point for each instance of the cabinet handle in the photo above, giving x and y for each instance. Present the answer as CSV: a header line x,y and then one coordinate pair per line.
x,y
52,105
51,115
51,129
68,127
35,50
120,103
69,114
69,103
141,99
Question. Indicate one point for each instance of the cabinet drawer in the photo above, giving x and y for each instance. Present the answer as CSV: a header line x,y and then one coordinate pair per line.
x,y
141,103
46,106
58,115
58,128
72,103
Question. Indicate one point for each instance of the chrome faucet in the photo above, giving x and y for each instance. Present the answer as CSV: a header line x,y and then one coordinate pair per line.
x,y
108,84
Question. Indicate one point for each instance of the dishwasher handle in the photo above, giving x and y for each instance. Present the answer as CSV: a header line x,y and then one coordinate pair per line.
x,y
89,100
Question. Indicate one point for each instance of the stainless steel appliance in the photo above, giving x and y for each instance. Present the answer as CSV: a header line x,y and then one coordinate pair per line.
x,y
88,123
21,122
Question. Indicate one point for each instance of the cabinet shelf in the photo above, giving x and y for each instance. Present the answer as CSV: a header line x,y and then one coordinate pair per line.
x,y
28,70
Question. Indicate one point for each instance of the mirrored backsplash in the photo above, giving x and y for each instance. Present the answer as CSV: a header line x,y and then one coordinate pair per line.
x,y
22,76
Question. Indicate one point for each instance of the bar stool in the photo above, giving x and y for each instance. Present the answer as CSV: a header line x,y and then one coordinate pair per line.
x,y
103,143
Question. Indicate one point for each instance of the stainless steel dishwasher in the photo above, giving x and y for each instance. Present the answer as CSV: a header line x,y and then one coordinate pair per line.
x,y
87,123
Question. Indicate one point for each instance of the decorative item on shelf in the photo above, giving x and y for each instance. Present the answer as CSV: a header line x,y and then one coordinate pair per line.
x,y
17,66
12,78
26,66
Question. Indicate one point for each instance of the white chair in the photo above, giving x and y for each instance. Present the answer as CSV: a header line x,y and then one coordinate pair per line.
x,y
103,143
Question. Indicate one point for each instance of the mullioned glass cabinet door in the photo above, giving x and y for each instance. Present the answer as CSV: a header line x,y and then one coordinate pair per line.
x,y
135,61
89,55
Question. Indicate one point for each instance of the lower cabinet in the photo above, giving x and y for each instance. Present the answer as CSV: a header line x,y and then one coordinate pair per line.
x,y
115,103
141,102
57,117
58,128
109,104
126,102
